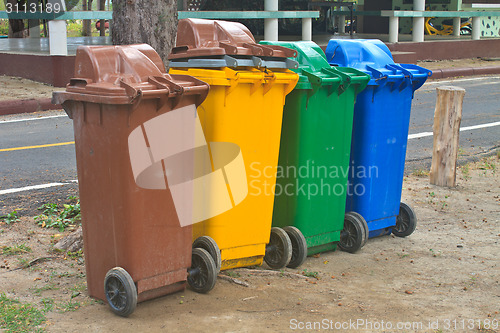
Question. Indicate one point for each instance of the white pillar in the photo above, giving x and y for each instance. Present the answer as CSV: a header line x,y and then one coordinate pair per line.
x,y
419,5
418,22
307,28
271,24
58,39
342,24
418,29
456,26
476,28
393,29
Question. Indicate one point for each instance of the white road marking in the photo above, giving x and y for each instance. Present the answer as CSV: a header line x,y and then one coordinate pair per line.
x,y
410,136
30,119
34,187
467,128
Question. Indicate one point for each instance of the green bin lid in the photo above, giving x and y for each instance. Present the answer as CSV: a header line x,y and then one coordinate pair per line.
x,y
314,71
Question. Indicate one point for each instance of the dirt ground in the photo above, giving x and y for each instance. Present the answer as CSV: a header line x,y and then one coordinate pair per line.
x,y
442,278
18,88
459,63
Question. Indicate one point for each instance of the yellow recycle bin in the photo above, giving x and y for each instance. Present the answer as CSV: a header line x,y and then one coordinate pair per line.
x,y
245,107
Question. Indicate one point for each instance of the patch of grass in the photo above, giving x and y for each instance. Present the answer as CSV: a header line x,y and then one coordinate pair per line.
x,y
233,274
68,306
312,274
421,173
38,290
4,24
434,253
16,249
47,304
23,262
10,217
432,195
487,165
20,317
78,288
54,216
75,255
465,171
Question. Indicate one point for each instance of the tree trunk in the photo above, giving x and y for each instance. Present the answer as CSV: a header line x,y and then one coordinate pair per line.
x,y
86,29
447,118
102,27
16,27
148,21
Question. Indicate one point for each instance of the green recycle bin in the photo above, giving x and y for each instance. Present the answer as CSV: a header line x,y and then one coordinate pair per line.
x,y
313,164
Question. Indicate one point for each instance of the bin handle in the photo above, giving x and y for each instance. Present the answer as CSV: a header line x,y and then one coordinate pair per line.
x,y
407,74
345,80
289,53
418,79
257,50
229,48
269,81
175,90
199,87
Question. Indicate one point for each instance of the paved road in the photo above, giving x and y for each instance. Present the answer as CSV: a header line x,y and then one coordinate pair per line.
x,y
56,164
481,106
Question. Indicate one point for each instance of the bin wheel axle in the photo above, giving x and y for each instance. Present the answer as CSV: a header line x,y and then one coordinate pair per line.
x,y
209,244
299,246
279,249
120,291
406,221
353,236
202,274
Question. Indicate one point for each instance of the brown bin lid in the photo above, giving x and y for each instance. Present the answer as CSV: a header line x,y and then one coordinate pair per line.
x,y
125,74
201,38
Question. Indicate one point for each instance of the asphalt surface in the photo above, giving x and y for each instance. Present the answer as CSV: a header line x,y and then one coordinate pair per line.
x,y
57,164
481,106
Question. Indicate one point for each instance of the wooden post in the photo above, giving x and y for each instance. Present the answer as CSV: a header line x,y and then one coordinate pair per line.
x,y
447,117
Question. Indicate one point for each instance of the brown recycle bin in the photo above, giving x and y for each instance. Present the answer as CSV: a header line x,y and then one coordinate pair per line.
x,y
206,38
135,246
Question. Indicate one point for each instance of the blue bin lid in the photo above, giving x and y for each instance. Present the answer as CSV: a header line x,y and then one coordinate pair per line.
x,y
373,57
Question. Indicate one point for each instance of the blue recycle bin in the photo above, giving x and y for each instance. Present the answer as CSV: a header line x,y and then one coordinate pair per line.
x,y
379,135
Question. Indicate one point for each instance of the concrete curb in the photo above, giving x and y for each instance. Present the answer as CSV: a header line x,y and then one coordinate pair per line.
x,y
44,104
467,71
27,106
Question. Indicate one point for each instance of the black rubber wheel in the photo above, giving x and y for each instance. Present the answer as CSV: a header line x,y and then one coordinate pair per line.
x,y
353,236
207,243
203,274
279,249
299,246
120,291
365,225
406,221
